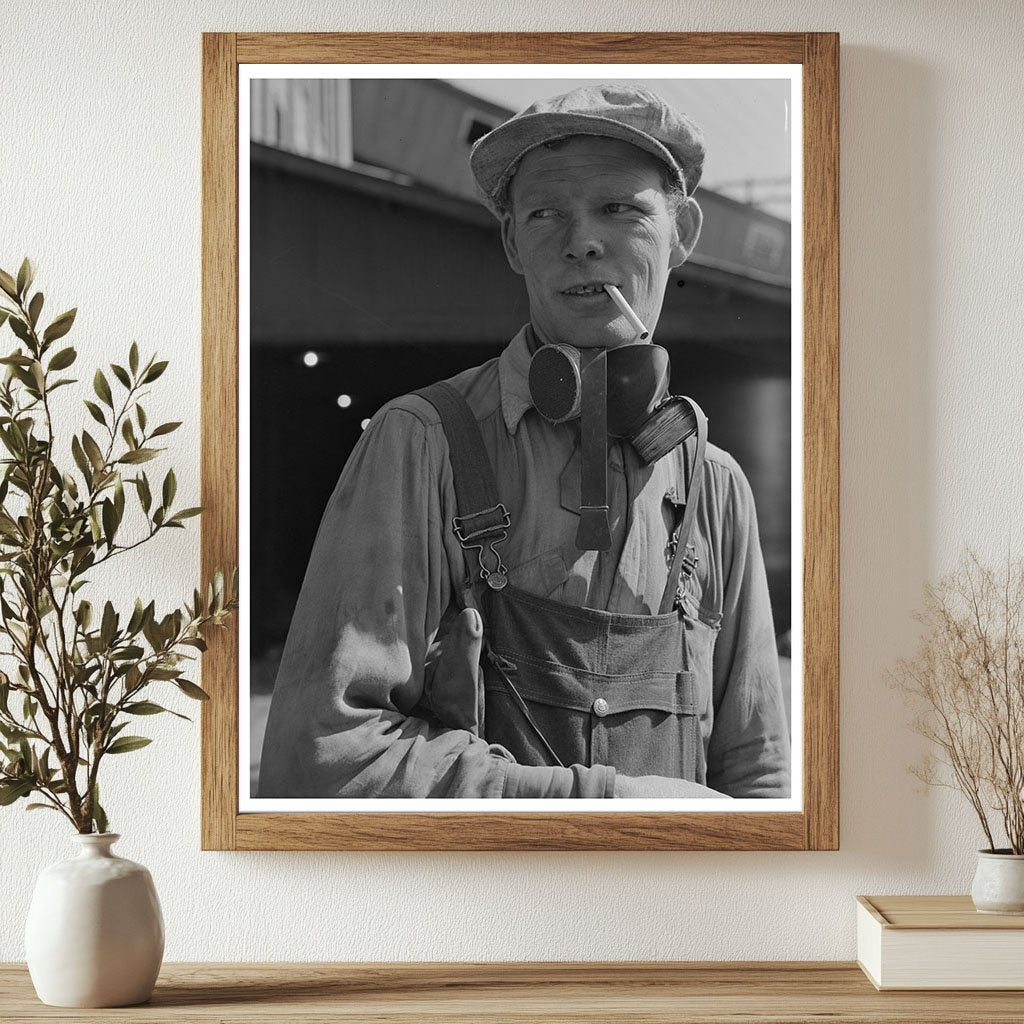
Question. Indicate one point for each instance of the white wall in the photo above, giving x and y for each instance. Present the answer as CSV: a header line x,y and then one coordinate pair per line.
x,y
100,183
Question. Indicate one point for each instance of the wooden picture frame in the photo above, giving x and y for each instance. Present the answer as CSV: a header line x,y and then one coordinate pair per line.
x,y
816,826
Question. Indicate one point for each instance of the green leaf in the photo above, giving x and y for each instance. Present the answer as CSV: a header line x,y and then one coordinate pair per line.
x,y
4,314
154,371
11,733
95,527
165,428
139,455
38,377
42,807
92,449
16,359
145,498
96,412
191,690
185,513
99,816
119,499
108,627
63,359
34,308
26,274
80,459
121,374
170,488
109,521
129,653
8,284
128,433
125,744
163,673
133,358
60,326
135,622
102,388
20,328
140,415
11,791
143,707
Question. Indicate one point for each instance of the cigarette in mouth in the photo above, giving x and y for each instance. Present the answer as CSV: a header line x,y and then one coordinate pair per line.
x,y
627,311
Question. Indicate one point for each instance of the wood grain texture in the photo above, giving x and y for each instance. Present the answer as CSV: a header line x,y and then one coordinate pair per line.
x,y
936,912
521,48
525,993
219,411
818,826
520,831
821,440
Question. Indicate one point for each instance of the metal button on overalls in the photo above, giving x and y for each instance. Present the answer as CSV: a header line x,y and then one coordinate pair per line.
x,y
600,707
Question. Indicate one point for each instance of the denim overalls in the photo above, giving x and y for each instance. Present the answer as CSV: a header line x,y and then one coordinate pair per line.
x,y
567,685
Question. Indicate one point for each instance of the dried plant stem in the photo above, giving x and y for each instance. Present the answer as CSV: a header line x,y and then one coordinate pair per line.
x,y
967,680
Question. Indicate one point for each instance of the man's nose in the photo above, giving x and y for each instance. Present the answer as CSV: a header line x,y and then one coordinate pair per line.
x,y
582,240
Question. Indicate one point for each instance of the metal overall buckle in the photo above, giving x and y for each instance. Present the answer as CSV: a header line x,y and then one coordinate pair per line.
x,y
688,568
490,534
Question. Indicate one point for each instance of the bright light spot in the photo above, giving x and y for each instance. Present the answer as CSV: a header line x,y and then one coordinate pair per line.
x,y
344,401
311,359
364,424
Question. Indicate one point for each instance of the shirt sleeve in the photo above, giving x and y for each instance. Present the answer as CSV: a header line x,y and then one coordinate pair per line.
x,y
749,749
344,718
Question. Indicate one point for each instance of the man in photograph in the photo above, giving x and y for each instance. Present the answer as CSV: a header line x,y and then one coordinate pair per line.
x,y
538,580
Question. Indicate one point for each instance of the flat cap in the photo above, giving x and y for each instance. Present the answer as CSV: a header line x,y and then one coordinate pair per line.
x,y
614,110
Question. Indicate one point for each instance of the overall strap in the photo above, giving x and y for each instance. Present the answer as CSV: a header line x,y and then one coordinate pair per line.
x,y
693,485
481,519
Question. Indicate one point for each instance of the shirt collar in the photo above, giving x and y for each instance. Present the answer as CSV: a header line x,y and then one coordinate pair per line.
x,y
513,375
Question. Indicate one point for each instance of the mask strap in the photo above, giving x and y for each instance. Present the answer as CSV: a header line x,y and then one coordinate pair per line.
x,y
594,533
668,598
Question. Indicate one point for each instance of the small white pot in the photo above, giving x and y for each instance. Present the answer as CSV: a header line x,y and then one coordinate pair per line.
x,y
95,933
999,882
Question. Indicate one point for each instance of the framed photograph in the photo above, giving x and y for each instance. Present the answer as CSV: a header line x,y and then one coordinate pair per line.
x,y
584,594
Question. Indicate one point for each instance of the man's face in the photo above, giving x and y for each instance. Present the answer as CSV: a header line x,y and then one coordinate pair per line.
x,y
589,212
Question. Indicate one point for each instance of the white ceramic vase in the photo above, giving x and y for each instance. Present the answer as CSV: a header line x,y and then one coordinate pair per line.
x,y
95,933
999,882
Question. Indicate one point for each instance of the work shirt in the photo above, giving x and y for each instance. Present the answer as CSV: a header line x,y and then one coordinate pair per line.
x,y
386,575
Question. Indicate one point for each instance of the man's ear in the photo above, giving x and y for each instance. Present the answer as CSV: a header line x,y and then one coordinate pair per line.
x,y
508,240
688,223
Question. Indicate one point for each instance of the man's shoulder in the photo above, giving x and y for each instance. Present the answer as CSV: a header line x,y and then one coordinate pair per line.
x,y
478,385
721,460
724,480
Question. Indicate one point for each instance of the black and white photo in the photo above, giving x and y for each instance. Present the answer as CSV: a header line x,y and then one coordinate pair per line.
x,y
569,575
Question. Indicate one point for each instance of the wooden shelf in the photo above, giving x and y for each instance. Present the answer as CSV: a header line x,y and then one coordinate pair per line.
x,y
659,993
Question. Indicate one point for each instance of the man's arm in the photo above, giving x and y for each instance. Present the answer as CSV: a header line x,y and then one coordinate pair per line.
x,y
749,750
342,720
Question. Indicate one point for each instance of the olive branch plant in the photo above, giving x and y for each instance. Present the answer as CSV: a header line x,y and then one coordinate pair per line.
x,y
80,675
966,680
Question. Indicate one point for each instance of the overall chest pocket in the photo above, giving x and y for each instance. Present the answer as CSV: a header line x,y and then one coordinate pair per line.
x,y
595,687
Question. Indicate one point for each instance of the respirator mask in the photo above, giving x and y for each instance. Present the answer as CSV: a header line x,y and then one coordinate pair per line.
x,y
619,393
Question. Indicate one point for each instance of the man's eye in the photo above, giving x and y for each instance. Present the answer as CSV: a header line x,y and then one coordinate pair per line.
x,y
542,213
619,207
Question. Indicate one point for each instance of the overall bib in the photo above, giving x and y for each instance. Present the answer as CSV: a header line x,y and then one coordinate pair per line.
x,y
567,685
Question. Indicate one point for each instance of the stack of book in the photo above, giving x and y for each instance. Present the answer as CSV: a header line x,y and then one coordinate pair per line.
x,y
938,942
